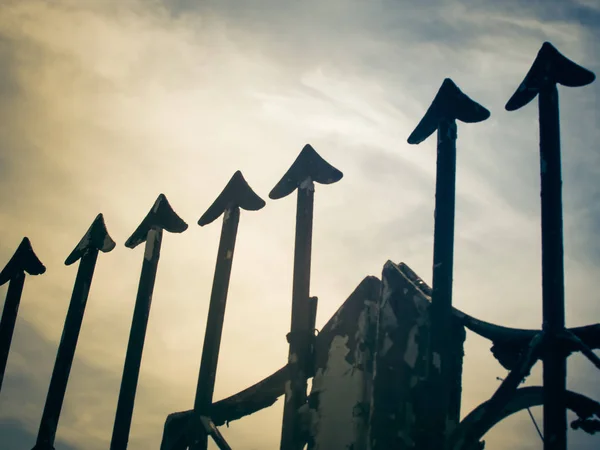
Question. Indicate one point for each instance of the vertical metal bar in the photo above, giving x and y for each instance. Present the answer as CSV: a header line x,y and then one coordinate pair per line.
x,y
443,260
299,354
553,292
214,324
9,318
314,302
66,351
135,346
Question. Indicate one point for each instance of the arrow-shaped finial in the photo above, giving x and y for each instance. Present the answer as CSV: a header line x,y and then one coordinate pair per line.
x,y
549,67
96,237
308,168
95,240
160,216
450,103
24,260
237,193
308,165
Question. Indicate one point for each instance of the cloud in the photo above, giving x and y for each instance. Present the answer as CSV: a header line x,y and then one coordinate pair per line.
x,y
105,105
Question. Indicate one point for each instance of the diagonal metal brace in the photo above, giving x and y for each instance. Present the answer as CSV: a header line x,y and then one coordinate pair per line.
x,y
568,336
212,431
510,384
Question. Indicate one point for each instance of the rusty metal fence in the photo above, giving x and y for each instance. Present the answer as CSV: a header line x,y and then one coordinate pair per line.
x,y
387,367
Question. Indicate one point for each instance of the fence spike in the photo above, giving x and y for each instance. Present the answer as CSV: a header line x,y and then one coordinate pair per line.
x,y
237,194
306,169
550,68
449,104
95,239
161,217
23,260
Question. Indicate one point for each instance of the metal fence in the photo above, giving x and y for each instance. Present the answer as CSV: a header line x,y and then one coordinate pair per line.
x,y
387,367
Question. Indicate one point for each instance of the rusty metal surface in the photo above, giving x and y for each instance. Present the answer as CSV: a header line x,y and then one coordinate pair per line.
x,y
402,391
266,392
161,216
341,390
450,104
95,239
237,194
549,69
308,168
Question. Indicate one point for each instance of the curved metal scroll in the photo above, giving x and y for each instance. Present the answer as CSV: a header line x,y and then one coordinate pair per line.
x,y
509,343
523,398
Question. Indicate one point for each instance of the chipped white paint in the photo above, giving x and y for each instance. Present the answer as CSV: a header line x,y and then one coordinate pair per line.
x,y
335,321
307,417
85,240
450,426
156,204
387,345
412,347
437,361
307,184
388,317
405,437
107,242
543,165
342,387
413,381
288,391
367,318
151,241
385,291
422,306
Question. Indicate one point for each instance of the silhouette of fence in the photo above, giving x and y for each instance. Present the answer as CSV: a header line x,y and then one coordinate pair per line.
x,y
387,367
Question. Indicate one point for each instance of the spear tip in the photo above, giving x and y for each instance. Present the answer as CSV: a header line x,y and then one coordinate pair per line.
x,y
96,237
237,193
549,67
308,165
23,260
449,104
162,216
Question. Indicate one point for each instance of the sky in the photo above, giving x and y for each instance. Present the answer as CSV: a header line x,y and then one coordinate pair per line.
x,y
106,104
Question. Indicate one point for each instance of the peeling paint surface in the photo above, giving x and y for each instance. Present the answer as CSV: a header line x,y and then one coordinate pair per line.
x,y
307,184
399,407
288,390
387,345
151,242
412,348
157,204
341,388
85,242
401,404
